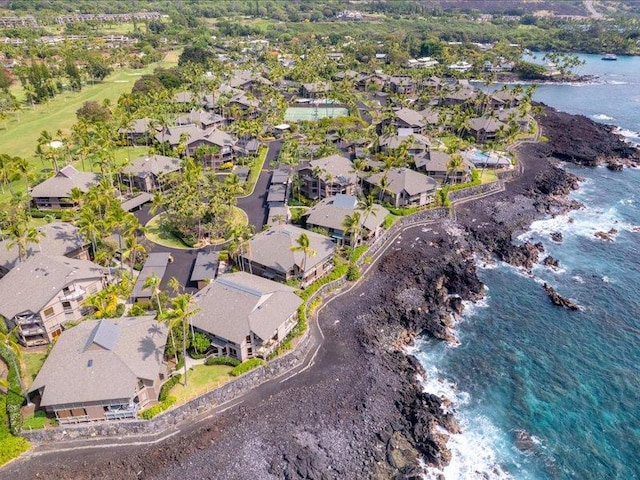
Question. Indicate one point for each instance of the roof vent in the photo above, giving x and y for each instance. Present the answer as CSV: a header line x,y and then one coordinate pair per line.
x,y
90,363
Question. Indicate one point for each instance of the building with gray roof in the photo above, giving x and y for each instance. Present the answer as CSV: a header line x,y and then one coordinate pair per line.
x,y
103,370
57,239
328,176
436,164
330,214
485,129
156,264
149,172
404,187
205,268
245,315
273,254
54,192
42,293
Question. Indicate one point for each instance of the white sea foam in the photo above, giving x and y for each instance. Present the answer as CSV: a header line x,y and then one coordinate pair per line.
x,y
616,82
602,116
474,451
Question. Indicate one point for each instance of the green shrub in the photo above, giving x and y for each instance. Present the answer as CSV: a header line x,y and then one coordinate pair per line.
x,y
168,385
245,366
229,361
401,212
149,413
14,396
10,446
180,363
138,309
357,253
226,166
200,344
353,273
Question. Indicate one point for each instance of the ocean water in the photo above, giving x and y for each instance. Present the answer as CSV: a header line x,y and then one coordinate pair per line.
x,y
569,379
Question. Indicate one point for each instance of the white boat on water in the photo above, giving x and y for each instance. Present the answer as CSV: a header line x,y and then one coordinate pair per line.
x,y
609,57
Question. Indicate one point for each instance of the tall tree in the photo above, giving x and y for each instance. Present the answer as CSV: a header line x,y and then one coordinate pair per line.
x,y
303,245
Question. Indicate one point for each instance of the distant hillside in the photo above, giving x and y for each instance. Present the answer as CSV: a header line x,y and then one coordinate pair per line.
x,y
524,7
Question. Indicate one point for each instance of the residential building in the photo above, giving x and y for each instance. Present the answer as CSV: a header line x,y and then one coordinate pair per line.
x,y
485,129
205,268
55,191
149,173
416,144
330,214
56,240
402,85
328,176
193,137
315,90
156,264
137,132
404,187
245,315
436,165
273,254
102,370
42,293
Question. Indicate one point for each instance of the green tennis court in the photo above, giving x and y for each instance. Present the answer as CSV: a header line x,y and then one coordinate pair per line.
x,y
298,114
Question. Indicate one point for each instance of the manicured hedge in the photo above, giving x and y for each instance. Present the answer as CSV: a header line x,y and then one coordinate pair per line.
x,y
149,413
10,446
15,399
245,366
230,361
166,388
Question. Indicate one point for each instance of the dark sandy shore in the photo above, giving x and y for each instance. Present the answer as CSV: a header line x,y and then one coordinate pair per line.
x,y
358,411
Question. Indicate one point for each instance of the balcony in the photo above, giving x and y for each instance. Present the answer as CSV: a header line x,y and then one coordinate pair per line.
x,y
73,294
27,332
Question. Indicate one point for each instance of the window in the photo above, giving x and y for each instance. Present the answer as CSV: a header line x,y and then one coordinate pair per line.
x,y
248,339
67,307
48,312
250,351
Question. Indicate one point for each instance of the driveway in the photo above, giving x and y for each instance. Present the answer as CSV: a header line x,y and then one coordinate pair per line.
x,y
255,205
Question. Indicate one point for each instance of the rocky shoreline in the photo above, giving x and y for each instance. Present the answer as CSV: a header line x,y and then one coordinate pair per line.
x,y
359,410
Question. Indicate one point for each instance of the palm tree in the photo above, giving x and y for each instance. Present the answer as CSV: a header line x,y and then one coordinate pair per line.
x,y
454,165
367,206
7,169
153,283
303,245
21,235
180,314
352,227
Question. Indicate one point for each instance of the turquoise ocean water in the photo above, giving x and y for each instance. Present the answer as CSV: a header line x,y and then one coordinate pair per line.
x,y
571,380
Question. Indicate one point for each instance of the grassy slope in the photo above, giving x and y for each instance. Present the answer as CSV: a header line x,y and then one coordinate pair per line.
x,y
201,379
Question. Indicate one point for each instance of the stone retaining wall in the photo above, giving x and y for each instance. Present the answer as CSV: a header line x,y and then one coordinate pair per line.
x,y
174,416
457,195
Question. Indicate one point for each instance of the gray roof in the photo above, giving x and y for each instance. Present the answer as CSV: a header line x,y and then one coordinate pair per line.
x,y
412,182
394,141
487,124
410,117
139,125
61,184
437,161
59,239
140,199
280,175
277,193
200,117
30,285
339,167
205,266
194,134
152,164
236,304
102,360
331,212
156,264
272,248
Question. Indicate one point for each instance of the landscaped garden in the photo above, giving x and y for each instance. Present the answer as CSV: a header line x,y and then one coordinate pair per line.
x,y
200,380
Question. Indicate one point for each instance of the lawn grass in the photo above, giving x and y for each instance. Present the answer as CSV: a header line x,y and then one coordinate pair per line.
x,y
254,171
201,379
19,135
37,420
32,363
157,232
488,176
